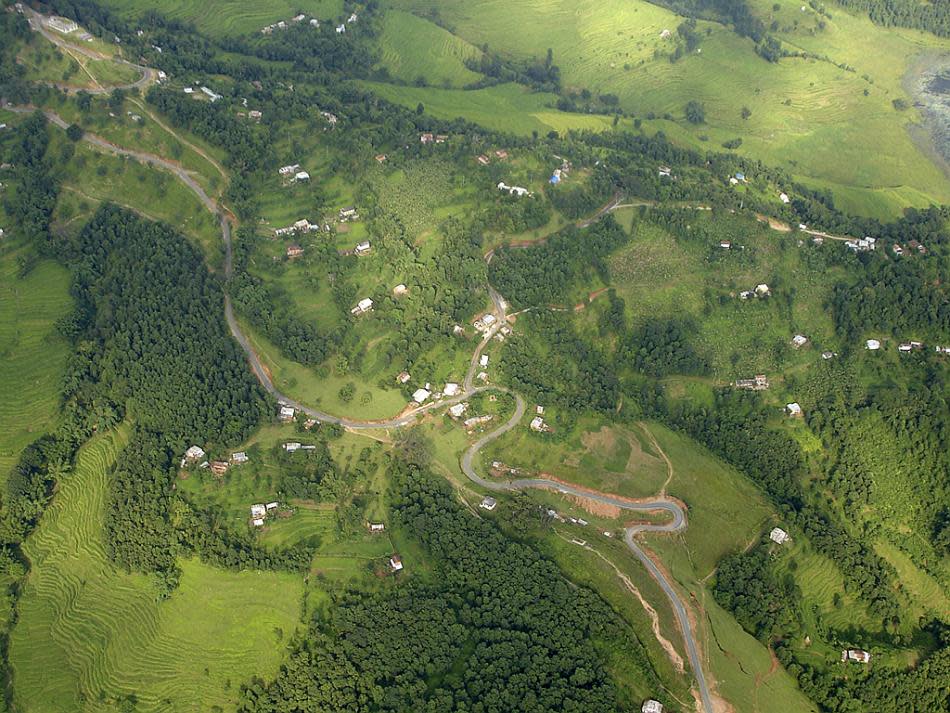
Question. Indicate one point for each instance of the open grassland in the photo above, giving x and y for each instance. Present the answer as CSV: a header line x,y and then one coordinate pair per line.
x,y
221,18
47,63
613,459
91,177
810,116
411,47
89,635
505,107
32,353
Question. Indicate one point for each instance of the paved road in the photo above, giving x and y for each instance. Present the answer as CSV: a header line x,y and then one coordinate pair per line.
x,y
677,520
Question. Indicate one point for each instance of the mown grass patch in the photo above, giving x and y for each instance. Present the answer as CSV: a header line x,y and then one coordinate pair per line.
x,y
32,352
89,635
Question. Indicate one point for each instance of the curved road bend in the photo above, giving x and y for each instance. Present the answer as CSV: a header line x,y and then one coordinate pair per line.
x,y
677,523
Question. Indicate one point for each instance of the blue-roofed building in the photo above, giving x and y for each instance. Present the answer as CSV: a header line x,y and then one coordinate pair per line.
x,y
740,176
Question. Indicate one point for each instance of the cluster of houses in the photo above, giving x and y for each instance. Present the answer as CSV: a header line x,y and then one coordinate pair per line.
x,y
341,28
913,245
423,393
861,245
212,95
284,24
537,423
430,138
484,160
759,382
513,190
260,511
292,173
761,290
300,226
873,345
196,454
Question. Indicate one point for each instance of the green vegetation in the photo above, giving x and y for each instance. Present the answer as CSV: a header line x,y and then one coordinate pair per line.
x,y
92,637
413,49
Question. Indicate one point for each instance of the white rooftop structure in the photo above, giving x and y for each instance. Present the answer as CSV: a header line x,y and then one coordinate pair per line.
x,y
258,510
488,503
762,289
451,389
287,413
292,446
421,395
872,344
793,409
784,197
395,562
537,424
272,505
62,24
258,522
458,409
239,457
195,453
364,305
362,247
778,535
287,170
302,176
651,706
483,361
799,340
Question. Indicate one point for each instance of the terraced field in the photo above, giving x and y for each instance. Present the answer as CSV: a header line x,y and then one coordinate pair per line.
x,y
434,53
32,354
229,17
814,116
89,635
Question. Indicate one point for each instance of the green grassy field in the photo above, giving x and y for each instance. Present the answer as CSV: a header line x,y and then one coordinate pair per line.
x,y
92,177
505,107
613,459
47,63
229,17
433,53
664,276
32,354
89,635
808,115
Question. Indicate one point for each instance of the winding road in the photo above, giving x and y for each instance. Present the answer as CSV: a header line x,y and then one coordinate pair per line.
x,y
676,523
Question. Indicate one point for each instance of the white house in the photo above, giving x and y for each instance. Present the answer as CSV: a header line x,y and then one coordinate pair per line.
x,y
793,409
537,424
539,410
421,395
212,95
363,247
400,289
258,510
872,345
287,170
395,562
340,29
239,457
784,197
352,18
403,377
762,290
651,706
451,389
858,655
778,535
377,527
292,446
287,413
62,24
458,409
488,503
301,176
799,340
194,453
189,90
271,506
483,361
363,306
258,522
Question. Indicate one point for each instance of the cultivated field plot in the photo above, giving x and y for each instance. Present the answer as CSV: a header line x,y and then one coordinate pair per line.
x,y
32,353
809,115
88,635
413,48
222,18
